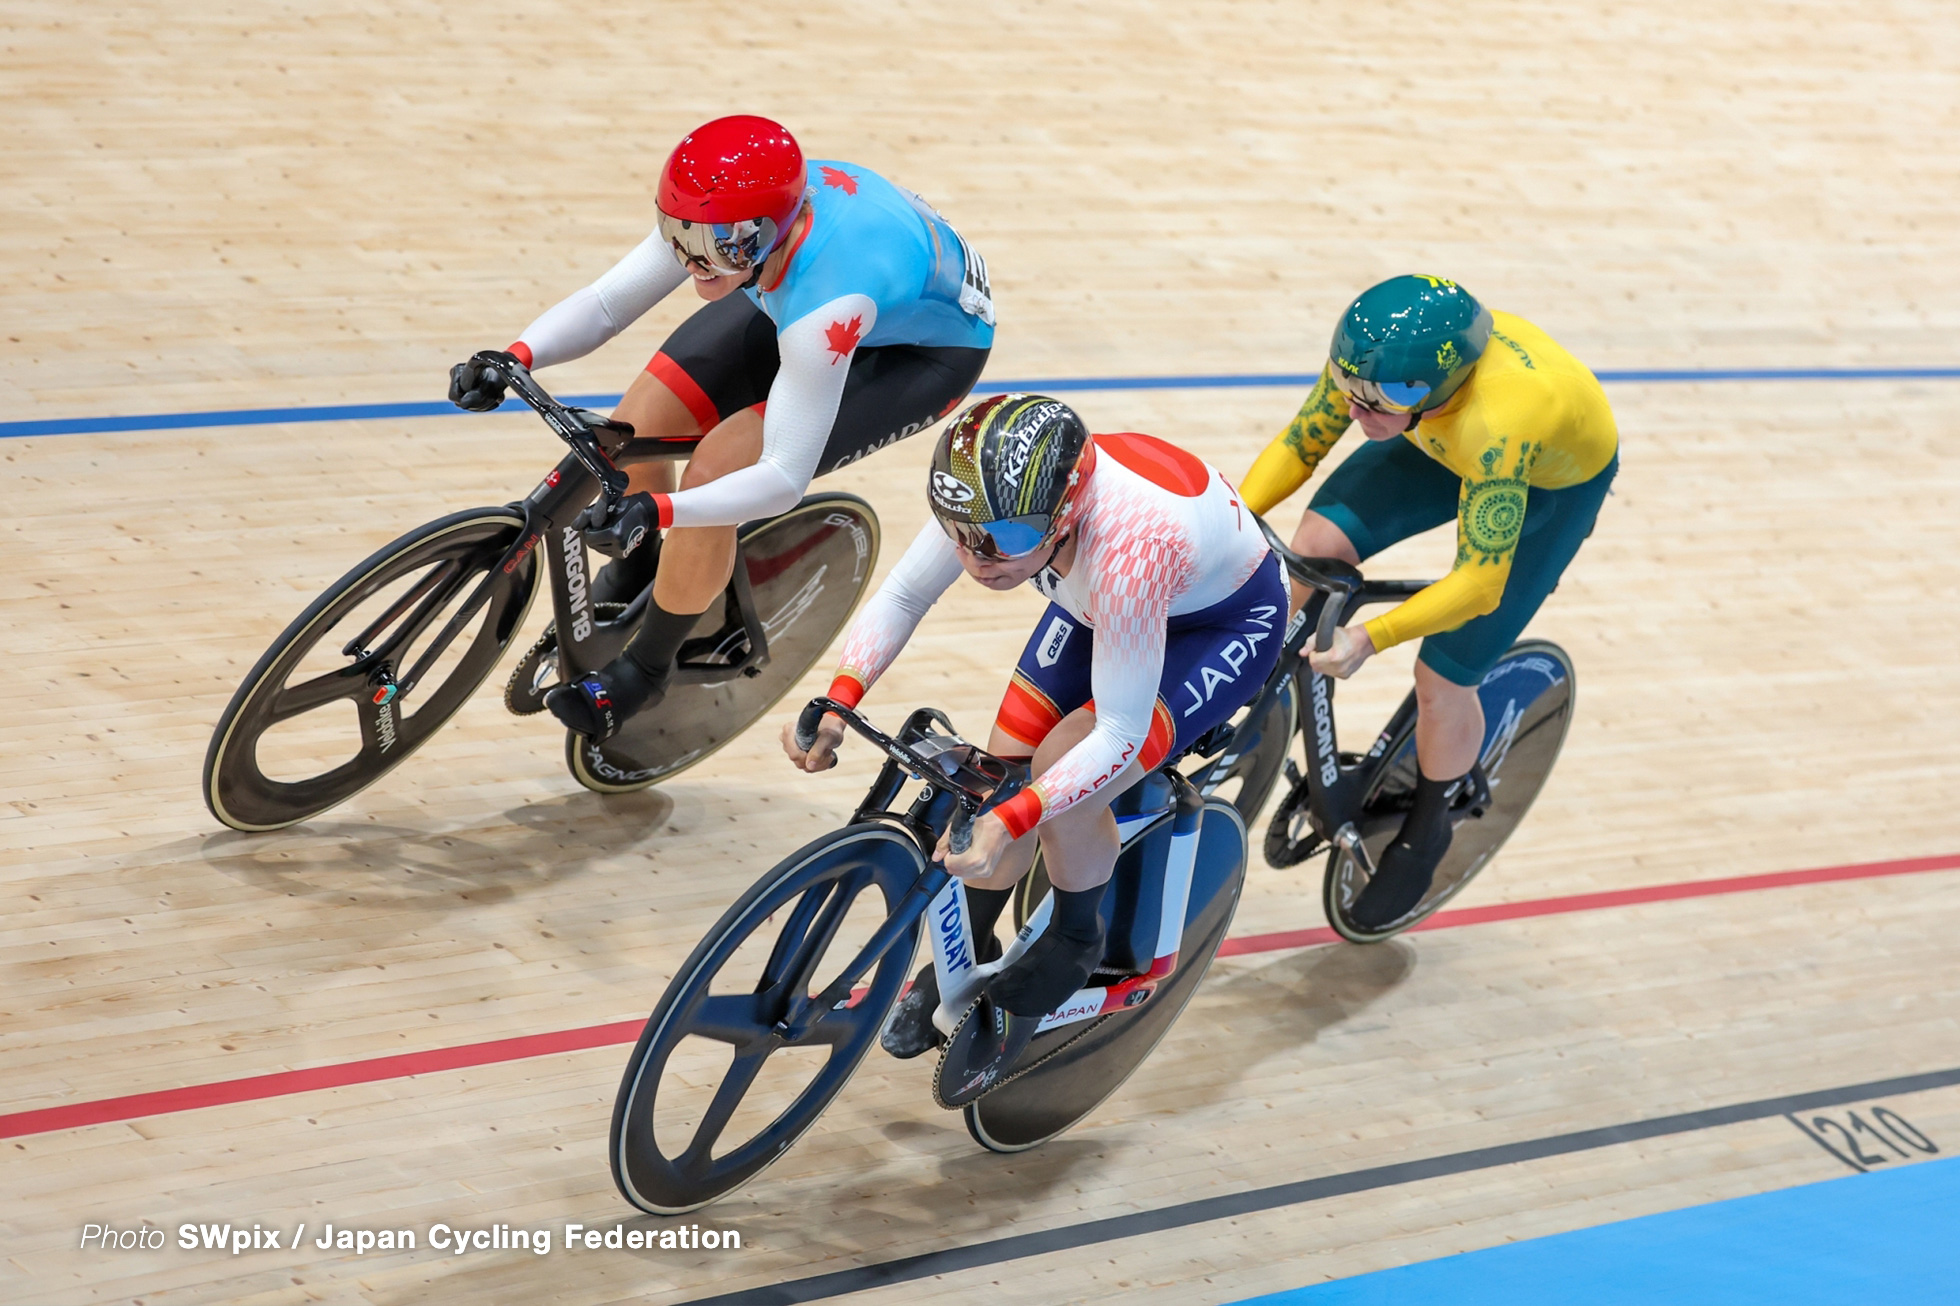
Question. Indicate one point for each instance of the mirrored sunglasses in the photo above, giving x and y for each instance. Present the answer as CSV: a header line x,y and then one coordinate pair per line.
x,y
1382,396
999,541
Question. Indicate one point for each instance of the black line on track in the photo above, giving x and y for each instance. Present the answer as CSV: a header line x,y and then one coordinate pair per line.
x,y
1067,1237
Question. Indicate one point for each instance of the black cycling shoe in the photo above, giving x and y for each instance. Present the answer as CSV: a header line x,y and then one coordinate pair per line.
x,y
909,1031
598,703
1047,974
1406,870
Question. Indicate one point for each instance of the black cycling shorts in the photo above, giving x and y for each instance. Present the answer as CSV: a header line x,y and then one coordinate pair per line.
x,y
723,359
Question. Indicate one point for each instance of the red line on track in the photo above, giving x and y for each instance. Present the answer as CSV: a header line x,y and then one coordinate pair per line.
x,y
286,1082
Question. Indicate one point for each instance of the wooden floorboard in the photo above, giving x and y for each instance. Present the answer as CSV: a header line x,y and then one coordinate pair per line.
x,y
263,207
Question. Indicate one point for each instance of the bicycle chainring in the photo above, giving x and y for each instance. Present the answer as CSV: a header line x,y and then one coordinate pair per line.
x,y
1289,839
536,673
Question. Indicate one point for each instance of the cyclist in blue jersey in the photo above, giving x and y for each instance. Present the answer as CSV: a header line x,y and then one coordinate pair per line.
x,y
843,314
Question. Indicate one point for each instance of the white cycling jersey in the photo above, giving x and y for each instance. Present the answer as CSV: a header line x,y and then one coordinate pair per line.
x,y
1161,535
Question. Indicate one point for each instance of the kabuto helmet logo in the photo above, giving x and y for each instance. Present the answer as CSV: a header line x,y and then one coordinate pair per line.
x,y
950,490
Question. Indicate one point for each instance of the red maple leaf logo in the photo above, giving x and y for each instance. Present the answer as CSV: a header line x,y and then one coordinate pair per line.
x,y
841,338
839,179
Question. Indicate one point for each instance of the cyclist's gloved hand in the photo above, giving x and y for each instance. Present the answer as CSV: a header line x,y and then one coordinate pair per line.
x,y
619,531
474,387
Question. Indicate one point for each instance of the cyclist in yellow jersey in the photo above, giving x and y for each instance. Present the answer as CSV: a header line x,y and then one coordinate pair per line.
x,y
1472,416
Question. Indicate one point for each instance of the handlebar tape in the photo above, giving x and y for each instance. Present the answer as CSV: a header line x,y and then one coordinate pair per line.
x,y
807,722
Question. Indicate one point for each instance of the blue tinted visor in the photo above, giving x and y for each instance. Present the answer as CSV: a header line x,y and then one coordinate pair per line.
x,y
1009,537
1383,396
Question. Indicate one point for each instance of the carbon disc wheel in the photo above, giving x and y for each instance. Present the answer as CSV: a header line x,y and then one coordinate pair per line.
x,y
1060,1082
1528,700
807,569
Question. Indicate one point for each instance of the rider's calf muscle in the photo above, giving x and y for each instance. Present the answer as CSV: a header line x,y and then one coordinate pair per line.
x,y
1449,725
696,562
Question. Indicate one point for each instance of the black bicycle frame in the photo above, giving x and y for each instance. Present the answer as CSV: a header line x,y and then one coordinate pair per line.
x,y
599,445
1335,791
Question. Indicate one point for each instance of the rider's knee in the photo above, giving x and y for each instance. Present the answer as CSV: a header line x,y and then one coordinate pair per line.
x,y
701,469
1434,690
655,411
731,446
1068,732
1318,537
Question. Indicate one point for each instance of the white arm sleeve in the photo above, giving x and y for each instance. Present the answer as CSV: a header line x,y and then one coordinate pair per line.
x,y
816,352
887,621
1131,594
580,323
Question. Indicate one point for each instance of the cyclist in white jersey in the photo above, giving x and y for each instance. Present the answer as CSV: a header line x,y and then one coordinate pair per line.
x,y
1166,614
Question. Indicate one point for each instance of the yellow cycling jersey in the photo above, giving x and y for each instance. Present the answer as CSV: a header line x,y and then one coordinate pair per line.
x,y
1530,415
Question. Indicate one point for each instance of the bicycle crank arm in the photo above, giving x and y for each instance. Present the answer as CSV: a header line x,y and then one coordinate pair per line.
x,y
1348,840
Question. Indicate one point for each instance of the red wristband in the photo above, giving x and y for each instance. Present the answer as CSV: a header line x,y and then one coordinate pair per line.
x,y
847,689
1021,813
665,506
521,351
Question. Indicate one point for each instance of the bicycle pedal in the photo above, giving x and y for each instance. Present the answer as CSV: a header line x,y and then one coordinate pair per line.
x,y
536,673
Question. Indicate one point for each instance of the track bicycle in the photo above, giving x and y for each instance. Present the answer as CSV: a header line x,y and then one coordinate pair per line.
x,y
392,650
1352,804
766,1020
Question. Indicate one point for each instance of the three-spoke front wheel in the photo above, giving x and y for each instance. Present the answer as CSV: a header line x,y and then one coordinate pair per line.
x,y
319,717
733,1065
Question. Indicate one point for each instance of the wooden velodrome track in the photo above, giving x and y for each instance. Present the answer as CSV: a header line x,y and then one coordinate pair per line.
x,y
219,207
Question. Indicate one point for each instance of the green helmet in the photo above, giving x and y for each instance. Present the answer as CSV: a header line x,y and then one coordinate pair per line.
x,y
1408,343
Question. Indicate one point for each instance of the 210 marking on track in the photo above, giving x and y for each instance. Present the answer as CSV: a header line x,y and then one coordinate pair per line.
x,y
1886,1138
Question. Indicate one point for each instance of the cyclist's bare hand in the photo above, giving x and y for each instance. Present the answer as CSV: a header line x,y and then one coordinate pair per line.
x,y
1351,648
823,753
990,840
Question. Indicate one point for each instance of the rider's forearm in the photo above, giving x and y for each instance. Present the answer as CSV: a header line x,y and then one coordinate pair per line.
x,y
894,612
588,318
1077,776
1124,670
746,494
1465,593
1294,453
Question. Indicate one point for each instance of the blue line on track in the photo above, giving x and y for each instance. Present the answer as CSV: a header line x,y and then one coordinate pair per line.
x,y
438,408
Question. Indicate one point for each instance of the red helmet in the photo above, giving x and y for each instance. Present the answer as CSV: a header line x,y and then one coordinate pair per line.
x,y
728,193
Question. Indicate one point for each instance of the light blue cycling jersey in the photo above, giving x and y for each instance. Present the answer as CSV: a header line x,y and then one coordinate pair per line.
x,y
868,237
